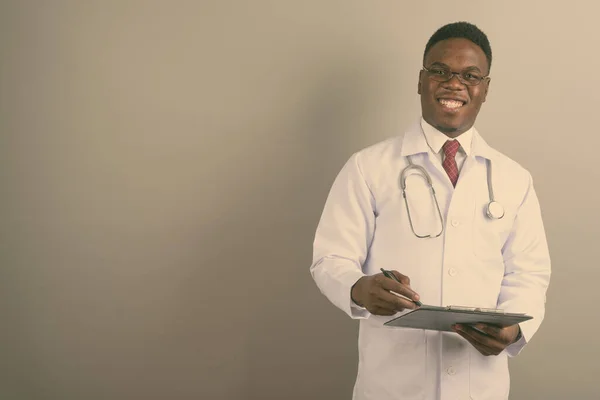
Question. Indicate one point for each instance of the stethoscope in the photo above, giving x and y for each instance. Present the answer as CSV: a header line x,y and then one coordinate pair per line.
x,y
493,209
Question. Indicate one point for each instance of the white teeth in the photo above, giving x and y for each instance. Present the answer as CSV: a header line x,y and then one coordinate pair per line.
x,y
451,103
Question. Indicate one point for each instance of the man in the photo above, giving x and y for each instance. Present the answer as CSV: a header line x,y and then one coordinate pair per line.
x,y
459,256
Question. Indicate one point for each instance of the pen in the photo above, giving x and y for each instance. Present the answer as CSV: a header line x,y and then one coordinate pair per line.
x,y
392,276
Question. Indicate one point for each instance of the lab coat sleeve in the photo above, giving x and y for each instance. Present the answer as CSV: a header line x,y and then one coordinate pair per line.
x,y
527,269
343,237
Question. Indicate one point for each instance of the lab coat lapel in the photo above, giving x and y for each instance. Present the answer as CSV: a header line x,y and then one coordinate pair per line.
x,y
480,151
480,148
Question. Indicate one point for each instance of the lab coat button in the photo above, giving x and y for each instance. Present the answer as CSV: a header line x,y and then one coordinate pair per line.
x,y
455,223
452,272
451,371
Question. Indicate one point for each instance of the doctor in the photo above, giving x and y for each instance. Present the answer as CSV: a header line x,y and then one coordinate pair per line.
x,y
469,253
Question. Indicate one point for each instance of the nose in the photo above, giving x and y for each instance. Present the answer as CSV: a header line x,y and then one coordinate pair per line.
x,y
454,82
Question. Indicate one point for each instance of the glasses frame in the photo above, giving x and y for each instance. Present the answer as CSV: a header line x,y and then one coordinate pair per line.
x,y
452,74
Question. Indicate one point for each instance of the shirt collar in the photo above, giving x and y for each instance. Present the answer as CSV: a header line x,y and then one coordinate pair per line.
x,y
415,141
436,139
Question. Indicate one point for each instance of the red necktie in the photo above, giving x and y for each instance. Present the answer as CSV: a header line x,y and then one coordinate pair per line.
x,y
450,149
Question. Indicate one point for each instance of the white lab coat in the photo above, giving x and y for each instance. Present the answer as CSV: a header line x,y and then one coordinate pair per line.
x,y
476,262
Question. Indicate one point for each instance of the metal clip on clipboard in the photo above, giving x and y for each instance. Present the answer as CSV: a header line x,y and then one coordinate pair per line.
x,y
475,309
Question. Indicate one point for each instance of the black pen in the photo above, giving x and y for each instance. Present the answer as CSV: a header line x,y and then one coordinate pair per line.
x,y
392,276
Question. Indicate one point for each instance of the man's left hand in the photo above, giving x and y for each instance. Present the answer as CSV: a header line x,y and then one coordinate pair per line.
x,y
492,341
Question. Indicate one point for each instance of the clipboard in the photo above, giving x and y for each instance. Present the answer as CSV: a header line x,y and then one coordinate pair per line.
x,y
442,318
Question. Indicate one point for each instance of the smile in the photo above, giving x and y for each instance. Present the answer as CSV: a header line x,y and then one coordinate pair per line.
x,y
451,104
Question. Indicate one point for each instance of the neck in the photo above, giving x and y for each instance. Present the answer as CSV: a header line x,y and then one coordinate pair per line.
x,y
451,132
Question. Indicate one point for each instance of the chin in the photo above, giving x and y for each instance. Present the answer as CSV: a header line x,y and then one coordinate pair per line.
x,y
452,125
448,129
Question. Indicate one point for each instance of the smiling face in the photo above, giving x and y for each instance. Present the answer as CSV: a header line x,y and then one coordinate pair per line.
x,y
451,106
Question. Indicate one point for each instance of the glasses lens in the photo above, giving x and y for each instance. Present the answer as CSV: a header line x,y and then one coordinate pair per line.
x,y
470,78
442,75
439,74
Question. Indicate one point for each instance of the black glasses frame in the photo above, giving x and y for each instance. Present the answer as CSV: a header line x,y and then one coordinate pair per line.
x,y
439,78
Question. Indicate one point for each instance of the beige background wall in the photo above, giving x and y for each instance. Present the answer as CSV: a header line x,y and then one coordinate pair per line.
x,y
164,164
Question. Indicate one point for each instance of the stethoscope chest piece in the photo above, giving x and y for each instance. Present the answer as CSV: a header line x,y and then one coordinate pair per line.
x,y
494,210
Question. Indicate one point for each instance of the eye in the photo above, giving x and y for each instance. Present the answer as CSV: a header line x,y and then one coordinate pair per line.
x,y
472,76
438,71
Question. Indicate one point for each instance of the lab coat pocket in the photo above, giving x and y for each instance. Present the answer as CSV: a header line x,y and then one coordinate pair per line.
x,y
489,376
394,362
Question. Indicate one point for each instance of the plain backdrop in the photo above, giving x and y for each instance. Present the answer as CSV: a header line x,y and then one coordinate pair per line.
x,y
164,165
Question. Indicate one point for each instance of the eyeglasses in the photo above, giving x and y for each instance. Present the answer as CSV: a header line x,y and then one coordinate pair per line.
x,y
469,77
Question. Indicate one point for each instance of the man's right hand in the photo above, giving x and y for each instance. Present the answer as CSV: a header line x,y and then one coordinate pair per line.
x,y
373,293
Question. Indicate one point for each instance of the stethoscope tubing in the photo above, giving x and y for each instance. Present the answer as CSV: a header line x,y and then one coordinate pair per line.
x,y
494,209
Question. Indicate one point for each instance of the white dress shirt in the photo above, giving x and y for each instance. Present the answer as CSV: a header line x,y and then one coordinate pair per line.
x,y
436,139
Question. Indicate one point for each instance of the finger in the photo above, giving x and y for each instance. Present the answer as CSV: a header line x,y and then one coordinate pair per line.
x,y
401,289
393,301
481,337
380,300
402,278
491,330
383,306
377,310
379,297
478,328
482,341
486,351
507,335
402,301
503,336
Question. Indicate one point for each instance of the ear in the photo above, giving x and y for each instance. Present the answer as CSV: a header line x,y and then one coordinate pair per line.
x,y
487,86
419,83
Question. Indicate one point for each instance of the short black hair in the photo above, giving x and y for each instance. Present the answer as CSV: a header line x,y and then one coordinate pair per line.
x,y
463,30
